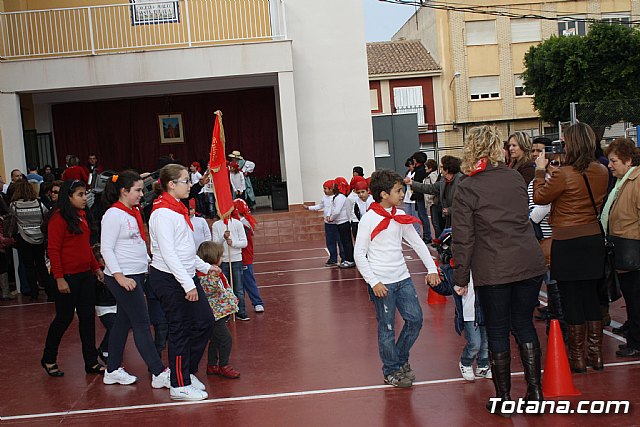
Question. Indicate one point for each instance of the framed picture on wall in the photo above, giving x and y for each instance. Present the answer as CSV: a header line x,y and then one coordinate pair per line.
x,y
171,129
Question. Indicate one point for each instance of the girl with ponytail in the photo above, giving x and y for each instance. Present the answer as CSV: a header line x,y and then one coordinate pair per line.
x,y
124,249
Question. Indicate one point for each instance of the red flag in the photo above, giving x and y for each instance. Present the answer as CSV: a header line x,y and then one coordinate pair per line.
x,y
219,171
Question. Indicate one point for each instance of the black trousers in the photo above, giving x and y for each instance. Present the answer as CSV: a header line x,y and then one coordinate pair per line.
x,y
81,300
220,343
107,320
580,301
630,286
509,307
32,256
354,230
157,318
190,325
345,238
132,314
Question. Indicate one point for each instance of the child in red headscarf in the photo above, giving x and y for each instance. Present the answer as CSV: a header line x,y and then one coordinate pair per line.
x,y
248,278
339,216
332,236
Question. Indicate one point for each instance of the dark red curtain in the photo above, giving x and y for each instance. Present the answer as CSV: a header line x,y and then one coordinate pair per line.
x,y
124,133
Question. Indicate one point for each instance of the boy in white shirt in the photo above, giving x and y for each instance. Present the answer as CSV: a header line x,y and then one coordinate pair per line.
x,y
235,240
361,204
379,258
201,230
332,235
238,183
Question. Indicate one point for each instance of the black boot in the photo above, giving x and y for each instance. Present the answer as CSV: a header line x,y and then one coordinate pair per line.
x,y
530,357
501,371
555,309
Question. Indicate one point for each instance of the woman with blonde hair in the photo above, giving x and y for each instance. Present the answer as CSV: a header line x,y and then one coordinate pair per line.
x,y
576,191
507,271
520,154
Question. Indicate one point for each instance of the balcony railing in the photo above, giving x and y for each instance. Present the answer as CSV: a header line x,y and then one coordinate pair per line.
x,y
139,25
420,111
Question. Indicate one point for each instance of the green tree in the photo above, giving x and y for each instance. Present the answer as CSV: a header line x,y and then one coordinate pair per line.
x,y
600,71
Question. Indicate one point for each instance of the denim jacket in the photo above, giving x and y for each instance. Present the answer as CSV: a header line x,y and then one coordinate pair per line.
x,y
446,288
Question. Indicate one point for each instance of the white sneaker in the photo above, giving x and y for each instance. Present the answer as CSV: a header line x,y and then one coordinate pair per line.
x,y
484,372
119,376
188,392
197,383
259,308
163,380
467,372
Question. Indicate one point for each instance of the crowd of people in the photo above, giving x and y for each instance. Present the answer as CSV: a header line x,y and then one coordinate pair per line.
x,y
552,204
103,262
518,213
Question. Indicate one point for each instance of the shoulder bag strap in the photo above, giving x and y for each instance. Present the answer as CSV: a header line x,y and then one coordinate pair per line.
x,y
593,202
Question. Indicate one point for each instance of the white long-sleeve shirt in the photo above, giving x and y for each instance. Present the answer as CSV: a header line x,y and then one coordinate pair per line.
x,y
237,181
339,209
381,260
324,205
201,230
173,248
362,205
121,244
237,236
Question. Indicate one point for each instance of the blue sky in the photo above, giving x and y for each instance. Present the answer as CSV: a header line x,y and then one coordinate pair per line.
x,y
382,20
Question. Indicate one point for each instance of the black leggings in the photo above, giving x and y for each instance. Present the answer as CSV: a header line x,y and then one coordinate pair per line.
x,y
220,343
630,286
345,238
81,300
580,301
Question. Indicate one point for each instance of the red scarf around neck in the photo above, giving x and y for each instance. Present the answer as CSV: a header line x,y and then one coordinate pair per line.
x,y
480,166
134,212
166,200
402,219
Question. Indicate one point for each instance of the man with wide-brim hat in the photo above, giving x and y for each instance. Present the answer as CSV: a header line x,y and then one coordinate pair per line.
x,y
235,154
247,167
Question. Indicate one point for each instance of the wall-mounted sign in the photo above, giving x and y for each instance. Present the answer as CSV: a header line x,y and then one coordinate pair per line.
x,y
154,12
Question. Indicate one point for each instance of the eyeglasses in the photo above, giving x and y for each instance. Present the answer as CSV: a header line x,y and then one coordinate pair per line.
x,y
555,163
54,191
184,181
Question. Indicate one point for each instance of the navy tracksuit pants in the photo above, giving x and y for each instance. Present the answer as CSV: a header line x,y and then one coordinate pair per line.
x,y
189,325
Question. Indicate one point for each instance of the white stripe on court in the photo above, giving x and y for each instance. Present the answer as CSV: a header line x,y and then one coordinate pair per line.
x,y
289,259
288,250
318,268
254,397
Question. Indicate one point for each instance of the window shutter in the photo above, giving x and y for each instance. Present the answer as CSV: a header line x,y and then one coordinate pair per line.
x,y
480,32
525,30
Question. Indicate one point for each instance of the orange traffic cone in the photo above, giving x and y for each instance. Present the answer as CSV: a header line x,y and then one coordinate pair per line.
x,y
435,298
557,379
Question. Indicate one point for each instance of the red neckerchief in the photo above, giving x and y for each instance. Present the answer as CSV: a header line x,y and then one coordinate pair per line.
x,y
224,281
166,200
480,166
134,212
402,219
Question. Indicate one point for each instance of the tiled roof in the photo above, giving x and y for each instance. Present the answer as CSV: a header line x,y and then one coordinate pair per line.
x,y
402,56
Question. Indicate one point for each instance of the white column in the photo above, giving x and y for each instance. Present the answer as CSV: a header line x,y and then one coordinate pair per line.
x,y
11,134
288,135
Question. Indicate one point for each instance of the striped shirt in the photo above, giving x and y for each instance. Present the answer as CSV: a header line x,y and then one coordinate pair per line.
x,y
539,213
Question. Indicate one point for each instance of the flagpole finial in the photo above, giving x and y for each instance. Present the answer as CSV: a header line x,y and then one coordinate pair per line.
x,y
218,113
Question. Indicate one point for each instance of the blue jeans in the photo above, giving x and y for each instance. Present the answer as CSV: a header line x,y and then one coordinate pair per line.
x,y
332,237
403,297
424,218
210,201
250,285
410,209
509,308
238,288
477,345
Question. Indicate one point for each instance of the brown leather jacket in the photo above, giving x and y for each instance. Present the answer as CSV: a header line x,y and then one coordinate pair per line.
x,y
492,234
624,217
572,213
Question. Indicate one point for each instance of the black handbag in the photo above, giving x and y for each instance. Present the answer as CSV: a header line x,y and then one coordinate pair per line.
x,y
609,285
537,230
627,253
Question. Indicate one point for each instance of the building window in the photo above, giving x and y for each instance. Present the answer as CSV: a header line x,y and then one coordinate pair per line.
x,y
381,149
617,18
484,87
409,100
480,32
525,30
373,99
572,26
519,86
